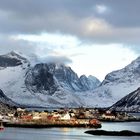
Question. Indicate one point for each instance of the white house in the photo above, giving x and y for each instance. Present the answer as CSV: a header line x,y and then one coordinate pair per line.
x,y
108,116
65,116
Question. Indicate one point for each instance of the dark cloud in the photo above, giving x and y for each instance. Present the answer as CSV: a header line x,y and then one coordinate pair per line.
x,y
8,44
120,23
31,51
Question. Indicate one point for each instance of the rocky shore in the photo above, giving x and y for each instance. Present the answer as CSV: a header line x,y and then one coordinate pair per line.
x,y
52,124
113,133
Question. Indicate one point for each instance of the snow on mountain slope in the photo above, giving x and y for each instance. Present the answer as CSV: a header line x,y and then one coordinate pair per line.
x,y
13,84
130,103
5,100
6,105
89,82
59,81
119,83
11,59
51,85
56,85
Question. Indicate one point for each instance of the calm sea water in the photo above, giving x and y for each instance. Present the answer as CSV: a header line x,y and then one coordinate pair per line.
x,y
67,133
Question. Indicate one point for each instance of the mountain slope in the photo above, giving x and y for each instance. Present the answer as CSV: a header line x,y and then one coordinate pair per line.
x,y
48,78
51,85
90,82
5,100
6,105
11,59
130,103
56,85
118,84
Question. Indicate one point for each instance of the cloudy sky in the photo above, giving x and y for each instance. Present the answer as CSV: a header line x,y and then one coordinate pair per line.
x,y
92,36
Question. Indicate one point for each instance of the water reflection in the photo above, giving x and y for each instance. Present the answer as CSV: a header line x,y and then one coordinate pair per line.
x,y
67,133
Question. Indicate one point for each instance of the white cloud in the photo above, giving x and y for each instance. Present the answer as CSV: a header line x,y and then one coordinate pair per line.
x,y
101,9
98,60
57,40
96,26
94,59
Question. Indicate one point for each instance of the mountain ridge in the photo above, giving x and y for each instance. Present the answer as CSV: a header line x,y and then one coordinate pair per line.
x,y
121,82
129,103
51,84
44,84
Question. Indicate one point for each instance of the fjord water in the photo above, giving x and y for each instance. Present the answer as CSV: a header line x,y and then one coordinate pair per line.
x,y
68,133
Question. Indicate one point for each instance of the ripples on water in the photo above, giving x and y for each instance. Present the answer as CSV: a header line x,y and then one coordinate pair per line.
x,y
67,133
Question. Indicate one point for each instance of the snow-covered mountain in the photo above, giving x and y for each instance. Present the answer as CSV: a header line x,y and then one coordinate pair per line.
x,y
6,105
90,82
50,85
11,59
118,84
56,85
130,103
5,100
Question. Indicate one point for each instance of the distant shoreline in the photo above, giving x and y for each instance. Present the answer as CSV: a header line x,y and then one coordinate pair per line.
x,y
121,121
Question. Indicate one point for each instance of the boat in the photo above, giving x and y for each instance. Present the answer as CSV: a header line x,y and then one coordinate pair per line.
x,y
1,126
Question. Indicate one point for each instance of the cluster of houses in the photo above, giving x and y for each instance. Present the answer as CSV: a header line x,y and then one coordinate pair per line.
x,y
82,114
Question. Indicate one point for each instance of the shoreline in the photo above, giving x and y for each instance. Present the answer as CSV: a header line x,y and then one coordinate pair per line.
x,y
29,125
60,125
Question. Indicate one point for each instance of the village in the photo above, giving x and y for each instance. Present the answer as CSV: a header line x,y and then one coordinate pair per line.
x,y
79,117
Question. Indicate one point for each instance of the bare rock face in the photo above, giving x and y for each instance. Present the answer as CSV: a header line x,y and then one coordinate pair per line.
x,y
51,77
39,79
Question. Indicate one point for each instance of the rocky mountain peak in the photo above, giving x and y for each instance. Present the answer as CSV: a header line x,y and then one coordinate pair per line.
x,y
94,79
12,59
14,54
89,82
40,79
129,73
